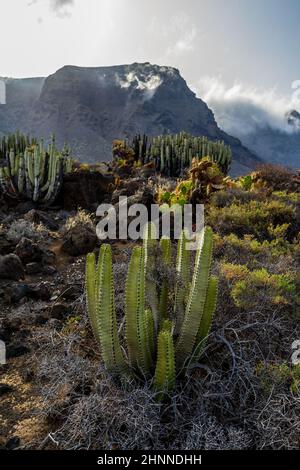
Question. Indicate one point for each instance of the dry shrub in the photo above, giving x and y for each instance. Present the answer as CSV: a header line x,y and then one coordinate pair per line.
x,y
81,218
23,228
278,177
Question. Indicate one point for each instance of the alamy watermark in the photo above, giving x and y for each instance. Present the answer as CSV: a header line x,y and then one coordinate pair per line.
x,y
128,222
2,353
296,352
2,91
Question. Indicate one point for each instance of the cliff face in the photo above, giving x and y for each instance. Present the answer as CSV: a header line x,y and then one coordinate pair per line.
x,y
89,107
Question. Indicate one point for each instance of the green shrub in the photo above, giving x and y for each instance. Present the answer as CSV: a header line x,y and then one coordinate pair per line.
x,y
279,375
253,253
252,218
258,288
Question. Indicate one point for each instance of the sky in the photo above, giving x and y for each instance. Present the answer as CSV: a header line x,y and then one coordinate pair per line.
x,y
231,49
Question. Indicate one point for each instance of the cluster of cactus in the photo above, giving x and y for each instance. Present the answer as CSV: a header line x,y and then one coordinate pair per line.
x,y
16,143
29,171
162,336
172,154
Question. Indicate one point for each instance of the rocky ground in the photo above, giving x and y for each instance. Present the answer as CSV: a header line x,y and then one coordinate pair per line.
x,y
42,264
54,393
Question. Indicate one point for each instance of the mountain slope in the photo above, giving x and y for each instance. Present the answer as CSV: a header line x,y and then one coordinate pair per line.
x,y
275,145
89,107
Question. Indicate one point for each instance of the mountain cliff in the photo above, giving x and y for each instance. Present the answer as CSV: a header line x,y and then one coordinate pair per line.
x,y
90,107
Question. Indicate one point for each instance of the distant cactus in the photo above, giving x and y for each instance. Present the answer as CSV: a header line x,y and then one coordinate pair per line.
x,y
154,345
29,171
172,154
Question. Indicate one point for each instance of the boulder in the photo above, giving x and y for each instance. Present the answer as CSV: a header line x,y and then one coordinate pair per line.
x,y
49,270
24,206
16,292
6,246
16,349
11,267
33,268
85,189
40,217
28,251
127,188
58,310
79,240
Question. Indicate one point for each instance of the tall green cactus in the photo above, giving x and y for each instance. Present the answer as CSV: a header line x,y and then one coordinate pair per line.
x,y
165,371
29,171
183,279
196,301
165,246
101,308
208,311
149,246
175,339
137,318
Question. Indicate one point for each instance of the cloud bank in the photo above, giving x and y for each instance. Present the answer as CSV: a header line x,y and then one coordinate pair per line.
x,y
240,109
60,8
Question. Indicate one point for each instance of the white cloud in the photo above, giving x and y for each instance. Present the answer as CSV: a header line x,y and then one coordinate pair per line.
x,y
178,35
185,42
61,8
148,84
240,109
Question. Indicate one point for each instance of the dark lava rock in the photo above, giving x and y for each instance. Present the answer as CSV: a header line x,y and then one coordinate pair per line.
x,y
16,349
33,268
13,443
40,291
49,270
24,207
84,189
14,293
28,251
128,188
79,240
71,292
124,171
11,267
40,217
6,246
58,311
4,389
